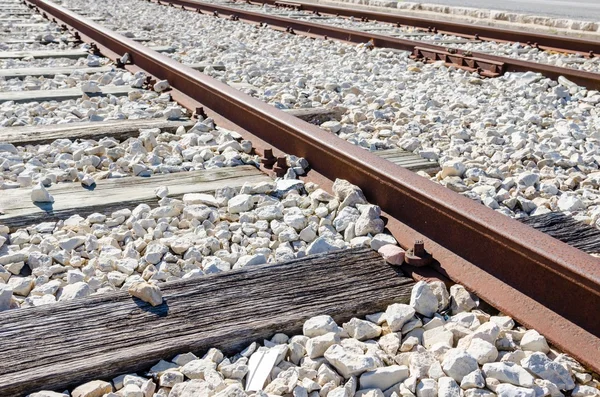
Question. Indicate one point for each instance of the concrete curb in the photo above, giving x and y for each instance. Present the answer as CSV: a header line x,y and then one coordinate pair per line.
x,y
495,18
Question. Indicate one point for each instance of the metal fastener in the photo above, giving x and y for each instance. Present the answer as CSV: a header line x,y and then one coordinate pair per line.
x,y
417,256
268,159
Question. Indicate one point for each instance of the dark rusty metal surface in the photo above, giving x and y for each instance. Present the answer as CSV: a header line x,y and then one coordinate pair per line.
x,y
543,41
540,281
484,67
581,77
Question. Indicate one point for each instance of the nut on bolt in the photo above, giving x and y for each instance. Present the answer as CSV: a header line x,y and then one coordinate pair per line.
x,y
200,113
281,167
417,256
268,159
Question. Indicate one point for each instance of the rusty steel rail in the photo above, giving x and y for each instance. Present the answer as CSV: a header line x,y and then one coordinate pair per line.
x,y
540,281
487,64
540,40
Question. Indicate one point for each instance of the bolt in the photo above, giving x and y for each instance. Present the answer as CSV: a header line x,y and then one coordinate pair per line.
x,y
476,36
200,113
435,30
216,13
268,159
94,49
417,256
281,166
199,11
591,54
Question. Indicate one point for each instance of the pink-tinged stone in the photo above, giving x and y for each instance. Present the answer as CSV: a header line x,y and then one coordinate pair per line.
x,y
392,254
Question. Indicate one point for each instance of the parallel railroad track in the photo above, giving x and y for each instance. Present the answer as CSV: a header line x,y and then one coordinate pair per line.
x,y
485,64
516,269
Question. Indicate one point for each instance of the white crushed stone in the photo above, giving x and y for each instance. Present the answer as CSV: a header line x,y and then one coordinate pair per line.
x,y
182,238
329,360
153,152
517,144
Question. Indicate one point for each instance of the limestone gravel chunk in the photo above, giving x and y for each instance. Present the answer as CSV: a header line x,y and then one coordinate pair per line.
x,y
149,293
95,388
384,378
348,363
427,388
319,325
39,194
533,341
539,364
508,390
75,291
473,380
458,363
508,373
423,300
361,329
392,254
461,299
316,346
397,315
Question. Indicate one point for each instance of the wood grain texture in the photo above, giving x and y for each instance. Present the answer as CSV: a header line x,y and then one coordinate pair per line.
x,y
20,73
73,54
408,160
316,115
112,194
118,129
68,343
62,94
567,230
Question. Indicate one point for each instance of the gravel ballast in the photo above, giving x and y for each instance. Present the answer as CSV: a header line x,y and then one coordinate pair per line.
x,y
438,345
521,144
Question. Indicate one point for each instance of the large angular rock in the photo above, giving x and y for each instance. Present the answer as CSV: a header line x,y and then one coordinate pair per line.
x,y
423,299
75,291
361,329
240,203
507,372
397,315
447,387
427,388
383,378
320,325
348,363
6,294
535,342
95,388
508,390
149,293
461,299
316,347
540,365
195,369
458,363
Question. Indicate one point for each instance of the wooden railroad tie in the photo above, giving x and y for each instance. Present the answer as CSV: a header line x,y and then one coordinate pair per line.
x,y
68,343
110,195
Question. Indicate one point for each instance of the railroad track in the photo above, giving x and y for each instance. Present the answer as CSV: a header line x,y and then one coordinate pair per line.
x,y
509,265
471,59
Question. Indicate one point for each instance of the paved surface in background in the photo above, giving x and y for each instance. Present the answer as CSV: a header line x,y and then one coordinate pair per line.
x,y
571,9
